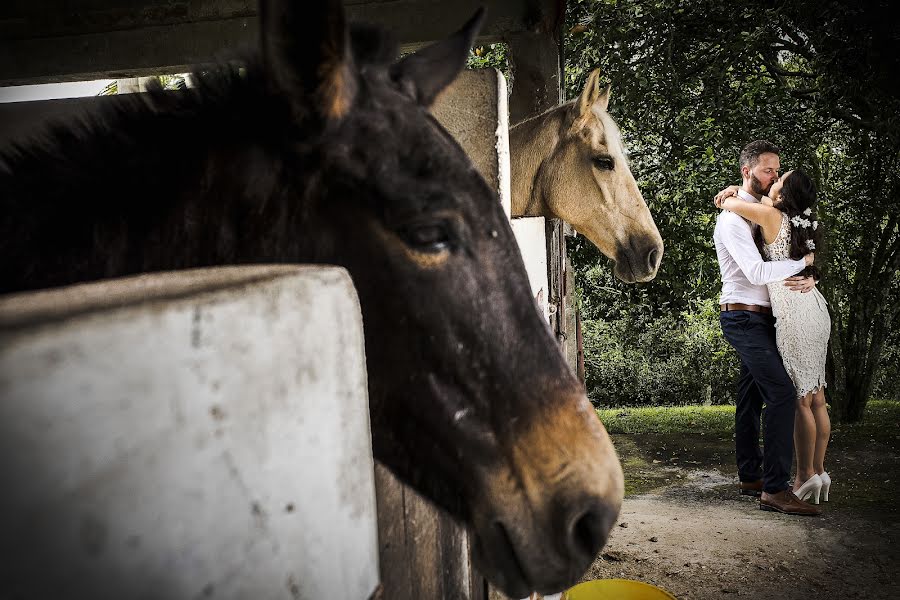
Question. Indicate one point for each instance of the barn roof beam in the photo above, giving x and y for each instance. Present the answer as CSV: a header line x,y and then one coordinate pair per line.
x,y
44,41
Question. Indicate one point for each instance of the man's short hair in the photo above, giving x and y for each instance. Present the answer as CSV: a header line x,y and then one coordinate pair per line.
x,y
752,151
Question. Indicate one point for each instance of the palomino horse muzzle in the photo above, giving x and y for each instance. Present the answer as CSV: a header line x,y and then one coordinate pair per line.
x,y
639,260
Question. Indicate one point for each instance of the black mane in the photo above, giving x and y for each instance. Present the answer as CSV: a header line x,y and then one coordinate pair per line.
x,y
228,95
131,157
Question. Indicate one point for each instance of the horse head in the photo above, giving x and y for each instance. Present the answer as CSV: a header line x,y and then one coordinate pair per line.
x,y
471,401
570,163
322,149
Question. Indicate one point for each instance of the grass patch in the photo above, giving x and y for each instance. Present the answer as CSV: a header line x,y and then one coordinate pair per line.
x,y
881,416
718,420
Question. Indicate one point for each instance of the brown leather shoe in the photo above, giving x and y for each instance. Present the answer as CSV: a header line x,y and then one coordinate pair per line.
x,y
786,502
751,488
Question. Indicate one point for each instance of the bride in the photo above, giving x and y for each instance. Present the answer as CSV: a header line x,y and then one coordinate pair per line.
x,y
788,229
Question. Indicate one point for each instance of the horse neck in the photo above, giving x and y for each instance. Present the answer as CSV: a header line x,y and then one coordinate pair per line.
x,y
531,142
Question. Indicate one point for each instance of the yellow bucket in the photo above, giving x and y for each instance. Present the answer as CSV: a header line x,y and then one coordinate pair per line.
x,y
616,589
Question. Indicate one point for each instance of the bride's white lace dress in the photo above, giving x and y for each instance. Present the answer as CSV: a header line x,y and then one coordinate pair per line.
x,y
802,327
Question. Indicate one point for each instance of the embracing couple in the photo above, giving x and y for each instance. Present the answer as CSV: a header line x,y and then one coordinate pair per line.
x,y
778,322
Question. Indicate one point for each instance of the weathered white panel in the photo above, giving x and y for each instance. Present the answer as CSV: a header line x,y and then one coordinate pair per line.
x,y
184,435
532,238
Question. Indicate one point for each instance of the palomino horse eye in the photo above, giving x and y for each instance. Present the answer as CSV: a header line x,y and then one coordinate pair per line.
x,y
604,163
428,237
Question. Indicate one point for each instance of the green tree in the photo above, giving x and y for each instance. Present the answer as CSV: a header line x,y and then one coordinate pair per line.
x,y
693,81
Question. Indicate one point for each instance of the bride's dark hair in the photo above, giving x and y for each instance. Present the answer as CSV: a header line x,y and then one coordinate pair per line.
x,y
798,194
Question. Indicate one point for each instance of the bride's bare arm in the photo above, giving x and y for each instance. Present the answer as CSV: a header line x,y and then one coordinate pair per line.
x,y
731,190
767,217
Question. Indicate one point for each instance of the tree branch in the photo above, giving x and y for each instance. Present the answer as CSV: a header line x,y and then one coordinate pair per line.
x,y
786,73
845,115
799,43
886,248
804,92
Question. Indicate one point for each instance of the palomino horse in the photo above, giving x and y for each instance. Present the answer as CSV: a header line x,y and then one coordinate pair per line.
x,y
321,149
569,163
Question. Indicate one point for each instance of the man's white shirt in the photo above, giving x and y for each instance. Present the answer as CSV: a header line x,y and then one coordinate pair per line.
x,y
744,272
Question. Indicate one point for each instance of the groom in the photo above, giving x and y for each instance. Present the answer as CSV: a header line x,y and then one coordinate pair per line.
x,y
747,322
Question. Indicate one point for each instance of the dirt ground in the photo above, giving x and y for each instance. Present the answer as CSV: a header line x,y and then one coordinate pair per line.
x,y
684,527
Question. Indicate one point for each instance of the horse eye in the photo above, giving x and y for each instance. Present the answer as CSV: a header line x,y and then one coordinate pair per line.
x,y
604,163
428,237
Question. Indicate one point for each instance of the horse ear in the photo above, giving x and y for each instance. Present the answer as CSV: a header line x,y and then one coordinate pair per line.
x,y
592,95
426,73
603,100
306,55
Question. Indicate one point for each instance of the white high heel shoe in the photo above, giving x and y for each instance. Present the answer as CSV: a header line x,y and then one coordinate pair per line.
x,y
810,489
826,485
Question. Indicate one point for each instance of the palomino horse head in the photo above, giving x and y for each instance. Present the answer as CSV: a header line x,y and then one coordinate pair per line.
x,y
323,150
570,163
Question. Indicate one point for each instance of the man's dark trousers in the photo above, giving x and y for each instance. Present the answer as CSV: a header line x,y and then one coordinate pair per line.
x,y
763,379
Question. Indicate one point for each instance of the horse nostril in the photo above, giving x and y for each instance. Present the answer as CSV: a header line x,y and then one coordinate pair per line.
x,y
653,259
589,531
587,539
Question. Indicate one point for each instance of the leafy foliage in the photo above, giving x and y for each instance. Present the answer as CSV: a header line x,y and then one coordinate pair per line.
x,y
490,56
666,360
692,83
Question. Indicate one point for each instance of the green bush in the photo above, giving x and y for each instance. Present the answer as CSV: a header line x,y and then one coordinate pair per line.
x,y
668,360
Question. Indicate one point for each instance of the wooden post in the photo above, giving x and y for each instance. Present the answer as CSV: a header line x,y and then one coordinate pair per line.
x,y
535,58
133,85
422,551
536,70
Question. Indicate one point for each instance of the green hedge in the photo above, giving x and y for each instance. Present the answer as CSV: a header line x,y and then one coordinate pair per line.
x,y
677,359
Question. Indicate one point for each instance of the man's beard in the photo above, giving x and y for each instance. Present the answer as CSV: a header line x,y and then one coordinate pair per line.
x,y
756,186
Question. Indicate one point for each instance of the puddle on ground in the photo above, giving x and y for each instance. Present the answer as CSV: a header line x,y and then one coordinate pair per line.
x,y
865,474
653,462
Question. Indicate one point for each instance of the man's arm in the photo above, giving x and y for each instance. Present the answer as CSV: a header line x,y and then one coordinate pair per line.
x,y
739,242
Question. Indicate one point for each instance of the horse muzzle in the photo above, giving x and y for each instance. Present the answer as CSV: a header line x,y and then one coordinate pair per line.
x,y
549,510
638,259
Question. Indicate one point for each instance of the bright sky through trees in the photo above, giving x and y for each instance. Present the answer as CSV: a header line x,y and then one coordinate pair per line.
x,y
75,89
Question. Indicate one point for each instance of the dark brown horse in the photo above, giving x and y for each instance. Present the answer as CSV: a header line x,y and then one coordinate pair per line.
x,y
321,150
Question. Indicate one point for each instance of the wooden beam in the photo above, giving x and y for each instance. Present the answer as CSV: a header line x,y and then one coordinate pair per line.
x,y
536,74
424,553
43,41
536,61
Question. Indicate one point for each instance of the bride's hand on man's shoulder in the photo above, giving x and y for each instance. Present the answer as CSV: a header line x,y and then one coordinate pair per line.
x,y
724,194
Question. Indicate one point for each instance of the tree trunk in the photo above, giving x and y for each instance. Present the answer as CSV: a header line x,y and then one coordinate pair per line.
x,y
857,342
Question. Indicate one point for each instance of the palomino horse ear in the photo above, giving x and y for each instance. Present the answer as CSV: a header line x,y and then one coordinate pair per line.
x,y
306,55
426,73
603,100
592,95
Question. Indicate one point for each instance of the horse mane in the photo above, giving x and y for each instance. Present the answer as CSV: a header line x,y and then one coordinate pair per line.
x,y
100,142
120,165
229,96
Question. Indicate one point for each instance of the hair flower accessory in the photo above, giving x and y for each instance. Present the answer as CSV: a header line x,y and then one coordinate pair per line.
x,y
807,212
799,221
810,244
815,225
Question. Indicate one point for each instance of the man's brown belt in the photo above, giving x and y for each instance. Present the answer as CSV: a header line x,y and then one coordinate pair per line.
x,y
751,307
